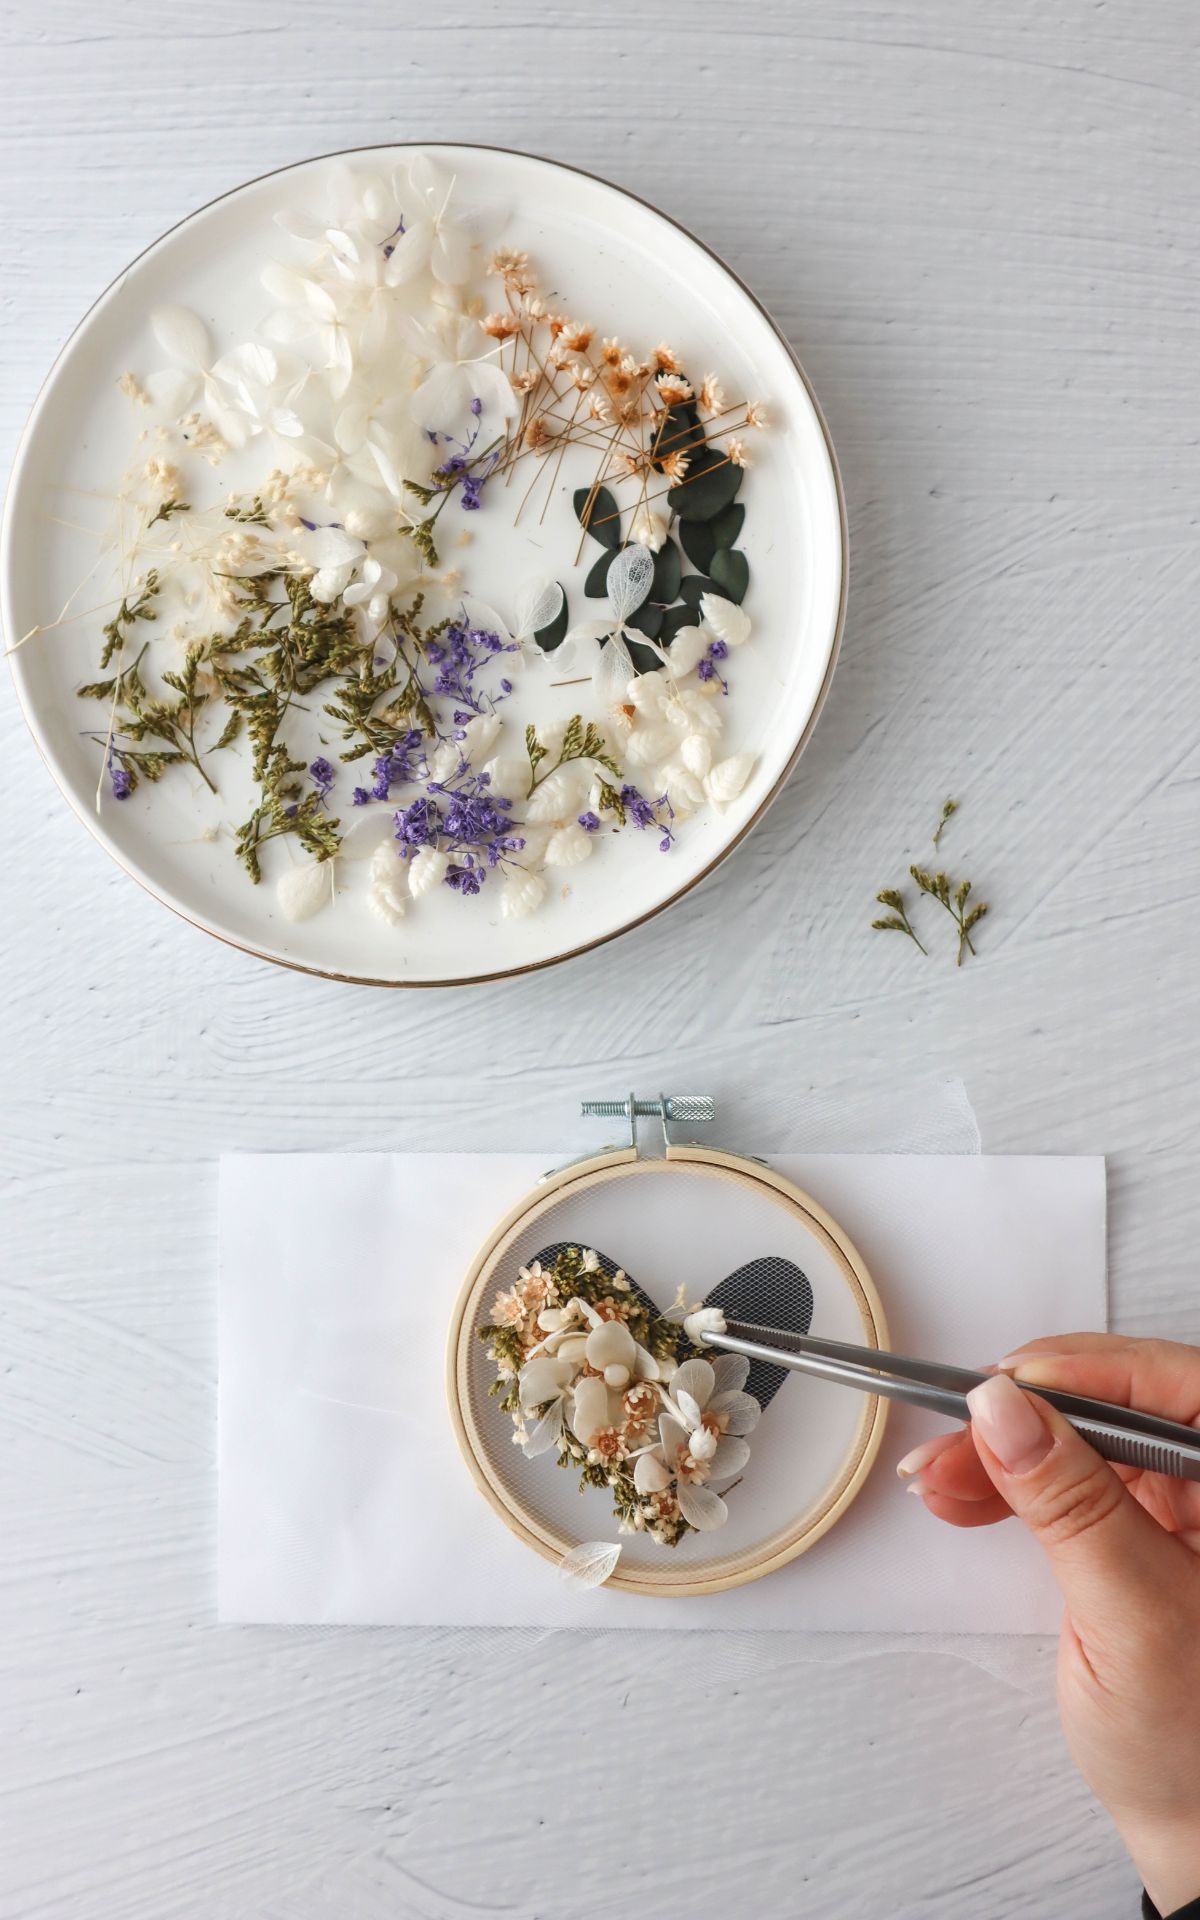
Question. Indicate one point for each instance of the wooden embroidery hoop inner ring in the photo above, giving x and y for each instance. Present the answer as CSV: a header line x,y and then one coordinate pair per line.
x,y
735,1569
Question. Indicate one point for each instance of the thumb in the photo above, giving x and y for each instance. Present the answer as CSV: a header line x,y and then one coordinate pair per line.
x,y
1100,1542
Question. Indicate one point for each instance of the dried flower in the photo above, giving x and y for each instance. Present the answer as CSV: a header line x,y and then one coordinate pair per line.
x,y
666,360
539,433
737,455
500,326
756,416
675,467
897,921
673,390
711,397
950,808
507,261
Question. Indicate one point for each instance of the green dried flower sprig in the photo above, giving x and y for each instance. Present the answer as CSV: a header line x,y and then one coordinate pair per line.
x,y
898,920
938,886
954,896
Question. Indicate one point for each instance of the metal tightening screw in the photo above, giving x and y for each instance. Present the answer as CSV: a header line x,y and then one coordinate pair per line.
x,y
689,1109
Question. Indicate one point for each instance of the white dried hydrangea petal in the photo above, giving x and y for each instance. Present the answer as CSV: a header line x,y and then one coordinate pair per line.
x,y
729,622
701,1508
694,712
546,1433
649,692
589,1565
569,846
304,890
728,777
557,797
648,745
650,1473
696,754
535,605
684,789
730,1371
740,1411
687,649
629,579
509,775
590,1412
521,894
728,1457
387,895
688,1406
182,334
426,869
695,1378
613,672
479,736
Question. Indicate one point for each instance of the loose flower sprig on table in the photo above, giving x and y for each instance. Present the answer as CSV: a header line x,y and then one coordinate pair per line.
x,y
381,393
954,896
589,1371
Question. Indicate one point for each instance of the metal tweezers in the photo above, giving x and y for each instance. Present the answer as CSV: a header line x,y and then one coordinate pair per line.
x,y
1117,1433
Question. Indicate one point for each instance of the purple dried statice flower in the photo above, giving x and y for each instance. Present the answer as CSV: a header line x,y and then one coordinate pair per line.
x,y
122,781
706,670
323,774
418,826
655,814
590,822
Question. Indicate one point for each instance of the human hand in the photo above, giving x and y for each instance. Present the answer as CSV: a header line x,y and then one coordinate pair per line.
x,y
1124,1546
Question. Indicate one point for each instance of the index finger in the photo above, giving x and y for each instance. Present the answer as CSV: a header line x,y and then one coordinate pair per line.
x,y
1154,1376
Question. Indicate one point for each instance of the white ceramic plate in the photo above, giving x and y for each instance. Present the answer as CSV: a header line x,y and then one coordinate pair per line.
x,y
616,261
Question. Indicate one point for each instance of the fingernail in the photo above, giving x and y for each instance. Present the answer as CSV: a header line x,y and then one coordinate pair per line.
x,y
1010,1424
1018,1361
916,1486
927,1451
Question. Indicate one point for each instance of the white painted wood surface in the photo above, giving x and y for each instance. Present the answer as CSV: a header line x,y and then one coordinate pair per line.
x,y
979,226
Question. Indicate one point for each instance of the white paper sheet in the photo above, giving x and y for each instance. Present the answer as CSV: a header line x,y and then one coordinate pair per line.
x,y
343,1496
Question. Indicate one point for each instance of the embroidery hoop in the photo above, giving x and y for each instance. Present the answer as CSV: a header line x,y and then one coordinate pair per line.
x,y
512,1492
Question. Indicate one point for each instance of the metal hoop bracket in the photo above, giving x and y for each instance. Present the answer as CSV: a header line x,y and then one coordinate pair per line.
x,y
686,1109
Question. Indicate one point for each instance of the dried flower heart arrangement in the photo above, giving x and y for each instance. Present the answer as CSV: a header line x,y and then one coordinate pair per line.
x,y
406,377
589,1368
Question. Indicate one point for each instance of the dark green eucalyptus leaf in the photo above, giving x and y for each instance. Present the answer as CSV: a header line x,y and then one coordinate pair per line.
x,y
555,633
643,658
726,526
692,586
711,483
603,521
731,571
648,620
698,540
673,620
668,569
596,584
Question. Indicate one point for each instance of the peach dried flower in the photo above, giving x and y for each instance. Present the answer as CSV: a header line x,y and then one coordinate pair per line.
x,y
673,389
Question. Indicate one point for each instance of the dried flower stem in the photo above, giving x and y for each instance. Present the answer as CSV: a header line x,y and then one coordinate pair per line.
x,y
897,921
